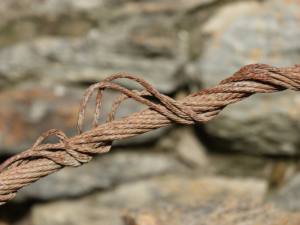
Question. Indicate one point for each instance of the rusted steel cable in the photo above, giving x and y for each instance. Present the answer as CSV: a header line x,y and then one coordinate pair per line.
x,y
43,159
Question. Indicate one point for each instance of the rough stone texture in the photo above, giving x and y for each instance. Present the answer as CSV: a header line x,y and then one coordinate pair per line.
x,y
78,41
186,146
288,196
240,165
247,32
103,172
23,20
51,50
29,110
189,149
88,59
169,200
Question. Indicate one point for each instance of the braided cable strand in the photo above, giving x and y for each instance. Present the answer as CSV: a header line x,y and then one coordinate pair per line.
x,y
43,158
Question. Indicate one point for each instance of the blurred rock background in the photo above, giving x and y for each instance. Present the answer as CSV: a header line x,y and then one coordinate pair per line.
x,y
241,168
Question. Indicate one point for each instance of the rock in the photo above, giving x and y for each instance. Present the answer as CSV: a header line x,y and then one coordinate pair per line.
x,y
260,125
88,59
30,110
52,17
288,195
240,165
103,172
85,41
141,219
247,32
190,149
169,200
69,215
75,43
30,18
186,146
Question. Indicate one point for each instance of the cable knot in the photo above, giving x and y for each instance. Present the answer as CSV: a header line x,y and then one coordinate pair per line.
x,y
62,153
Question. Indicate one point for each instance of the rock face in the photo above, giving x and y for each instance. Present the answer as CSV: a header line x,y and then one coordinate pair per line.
x,y
51,51
78,41
87,59
169,200
30,110
288,196
103,172
243,33
186,146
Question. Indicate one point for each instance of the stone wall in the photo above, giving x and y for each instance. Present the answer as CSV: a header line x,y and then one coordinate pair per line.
x,y
52,50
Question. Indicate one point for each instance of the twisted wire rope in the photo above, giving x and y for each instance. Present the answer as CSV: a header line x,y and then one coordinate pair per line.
x,y
43,159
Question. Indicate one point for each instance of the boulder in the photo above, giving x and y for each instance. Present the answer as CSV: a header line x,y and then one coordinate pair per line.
x,y
249,32
84,41
287,196
102,173
169,200
29,110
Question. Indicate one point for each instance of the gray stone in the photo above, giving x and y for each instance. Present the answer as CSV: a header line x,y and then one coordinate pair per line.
x,y
69,215
103,172
85,41
240,165
24,20
248,32
288,195
186,146
92,12
169,200
60,44
88,59
30,110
